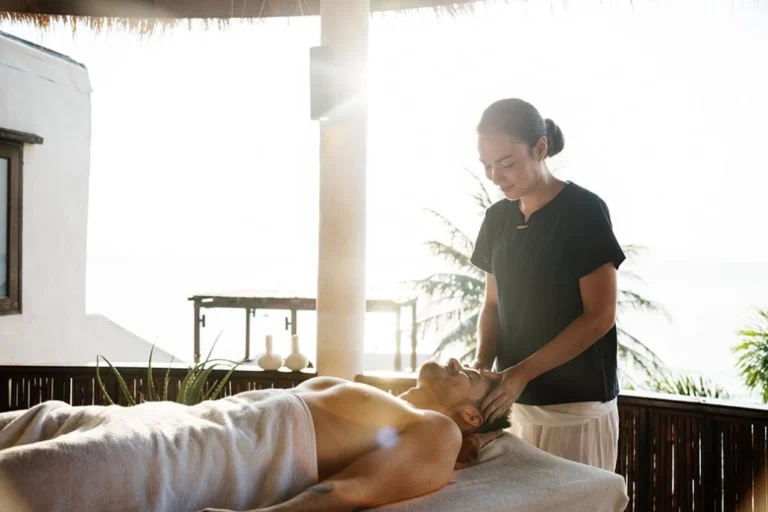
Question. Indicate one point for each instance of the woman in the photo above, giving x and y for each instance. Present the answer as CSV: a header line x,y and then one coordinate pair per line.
x,y
548,319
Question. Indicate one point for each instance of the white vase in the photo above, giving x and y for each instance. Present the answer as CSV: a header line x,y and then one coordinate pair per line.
x,y
269,360
296,361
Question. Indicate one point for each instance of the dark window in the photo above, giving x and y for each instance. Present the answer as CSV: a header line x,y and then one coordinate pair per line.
x,y
10,226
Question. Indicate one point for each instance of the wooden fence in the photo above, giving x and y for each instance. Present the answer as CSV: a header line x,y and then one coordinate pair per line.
x,y
25,386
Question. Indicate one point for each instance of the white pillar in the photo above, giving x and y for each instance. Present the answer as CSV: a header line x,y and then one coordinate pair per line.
x,y
341,283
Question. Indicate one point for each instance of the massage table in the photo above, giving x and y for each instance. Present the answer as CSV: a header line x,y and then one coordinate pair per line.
x,y
513,476
151,455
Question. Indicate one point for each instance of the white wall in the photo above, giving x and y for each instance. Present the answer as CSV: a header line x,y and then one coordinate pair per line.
x,y
50,96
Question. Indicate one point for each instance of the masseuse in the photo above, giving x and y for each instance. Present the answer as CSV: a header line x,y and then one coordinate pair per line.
x,y
548,319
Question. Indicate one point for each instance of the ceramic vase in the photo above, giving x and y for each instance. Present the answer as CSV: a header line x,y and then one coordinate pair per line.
x,y
269,360
296,361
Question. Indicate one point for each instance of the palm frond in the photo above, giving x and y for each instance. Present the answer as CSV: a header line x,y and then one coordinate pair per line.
x,y
453,255
465,332
481,196
467,356
632,350
752,350
454,233
439,321
629,275
450,286
629,299
632,251
687,385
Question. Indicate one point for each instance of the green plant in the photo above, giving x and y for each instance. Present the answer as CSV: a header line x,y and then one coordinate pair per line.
x,y
454,296
192,390
686,385
753,355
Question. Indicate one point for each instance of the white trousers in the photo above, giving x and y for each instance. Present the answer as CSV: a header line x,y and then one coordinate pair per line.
x,y
586,432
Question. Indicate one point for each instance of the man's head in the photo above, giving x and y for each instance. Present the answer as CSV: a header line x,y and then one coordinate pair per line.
x,y
458,391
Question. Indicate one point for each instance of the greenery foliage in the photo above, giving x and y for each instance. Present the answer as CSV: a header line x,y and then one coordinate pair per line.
x,y
752,363
193,389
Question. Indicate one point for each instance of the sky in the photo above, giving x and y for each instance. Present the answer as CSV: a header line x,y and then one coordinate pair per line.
x,y
204,165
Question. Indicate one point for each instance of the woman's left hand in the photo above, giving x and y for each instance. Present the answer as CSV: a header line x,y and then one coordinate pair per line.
x,y
512,382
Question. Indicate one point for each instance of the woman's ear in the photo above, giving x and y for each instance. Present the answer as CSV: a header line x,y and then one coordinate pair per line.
x,y
541,148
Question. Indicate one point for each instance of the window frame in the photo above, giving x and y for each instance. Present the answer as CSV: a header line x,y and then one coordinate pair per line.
x,y
13,152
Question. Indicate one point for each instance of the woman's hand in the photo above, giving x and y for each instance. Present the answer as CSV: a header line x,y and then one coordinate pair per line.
x,y
477,365
512,382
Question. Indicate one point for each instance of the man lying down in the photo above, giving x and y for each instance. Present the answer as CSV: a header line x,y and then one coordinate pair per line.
x,y
328,444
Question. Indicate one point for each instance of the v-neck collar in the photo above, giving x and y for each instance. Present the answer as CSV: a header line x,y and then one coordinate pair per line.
x,y
521,223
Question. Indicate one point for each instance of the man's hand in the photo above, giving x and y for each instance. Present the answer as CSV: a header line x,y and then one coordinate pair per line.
x,y
512,382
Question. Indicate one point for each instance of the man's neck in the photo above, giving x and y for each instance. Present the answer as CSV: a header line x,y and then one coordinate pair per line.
x,y
420,398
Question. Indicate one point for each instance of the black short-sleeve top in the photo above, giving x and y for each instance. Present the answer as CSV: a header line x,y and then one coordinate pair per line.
x,y
536,266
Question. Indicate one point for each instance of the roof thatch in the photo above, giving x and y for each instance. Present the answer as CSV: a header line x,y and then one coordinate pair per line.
x,y
146,15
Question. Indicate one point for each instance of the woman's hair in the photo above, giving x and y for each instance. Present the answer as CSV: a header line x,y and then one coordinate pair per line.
x,y
519,119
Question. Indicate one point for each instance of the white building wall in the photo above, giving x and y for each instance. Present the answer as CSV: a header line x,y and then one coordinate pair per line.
x,y
50,96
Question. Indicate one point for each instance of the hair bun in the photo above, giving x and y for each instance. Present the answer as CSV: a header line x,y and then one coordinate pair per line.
x,y
555,139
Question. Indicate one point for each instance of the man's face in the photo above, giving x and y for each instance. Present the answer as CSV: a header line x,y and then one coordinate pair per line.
x,y
454,384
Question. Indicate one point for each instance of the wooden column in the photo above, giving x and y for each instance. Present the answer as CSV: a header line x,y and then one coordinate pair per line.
x,y
343,152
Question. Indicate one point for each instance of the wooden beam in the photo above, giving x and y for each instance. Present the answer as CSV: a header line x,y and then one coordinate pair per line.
x,y
23,137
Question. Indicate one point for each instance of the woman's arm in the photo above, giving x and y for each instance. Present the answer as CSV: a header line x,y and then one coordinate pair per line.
x,y
488,330
599,296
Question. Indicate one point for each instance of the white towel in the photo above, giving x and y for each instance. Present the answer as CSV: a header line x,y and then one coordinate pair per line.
x,y
250,450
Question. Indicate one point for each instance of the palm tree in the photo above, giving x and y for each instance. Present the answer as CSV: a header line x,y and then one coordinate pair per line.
x,y
686,385
454,295
753,355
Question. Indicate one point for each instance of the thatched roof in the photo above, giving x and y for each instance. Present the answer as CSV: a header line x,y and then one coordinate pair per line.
x,y
146,15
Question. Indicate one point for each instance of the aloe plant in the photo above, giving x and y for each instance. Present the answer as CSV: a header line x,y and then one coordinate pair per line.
x,y
192,390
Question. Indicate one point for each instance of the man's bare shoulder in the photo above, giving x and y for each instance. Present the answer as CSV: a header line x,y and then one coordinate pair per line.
x,y
445,429
320,383
338,385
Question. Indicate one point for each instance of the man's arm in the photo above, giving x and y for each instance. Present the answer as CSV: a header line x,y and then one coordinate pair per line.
x,y
489,327
421,462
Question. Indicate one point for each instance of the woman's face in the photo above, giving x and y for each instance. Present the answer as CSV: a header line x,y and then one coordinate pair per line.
x,y
510,163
